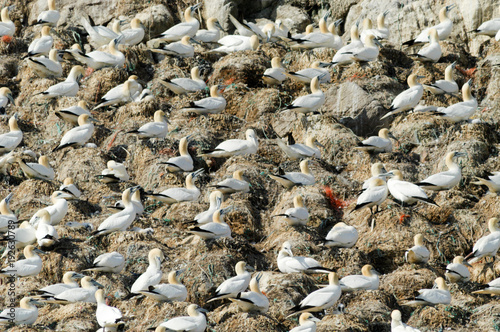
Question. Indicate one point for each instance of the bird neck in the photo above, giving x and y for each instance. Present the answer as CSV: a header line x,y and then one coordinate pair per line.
x,y
448,74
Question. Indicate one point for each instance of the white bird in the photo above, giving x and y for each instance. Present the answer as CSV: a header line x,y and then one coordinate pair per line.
x,y
233,185
28,267
49,17
297,151
443,28
57,210
207,216
115,172
86,293
491,180
448,85
46,67
46,234
112,262
247,29
68,88
311,102
100,35
186,85
367,281
374,195
42,45
298,215
397,324
488,245
306,75
236,43
439,295
5,97
187,28
22,236
235,147
381,32
341,236
119,221
72,113
344,55
135,34
145,96
173,291
212,34
406,193
182,163
232,286
77,136
492,288
122,93
458,271
41,170
9,141
288,263
368,52
153,273
100,59
135,200
181,48
213,230
5,161
367,29
431,52
407,99
291,179
418,254
69,282
253,300
156,129
276,74
7,217
214,104
26,314
175,195
323,38
378,171
195,322
445,180
7,27
107,317
320,299
488,28
307,323
461,111
69,188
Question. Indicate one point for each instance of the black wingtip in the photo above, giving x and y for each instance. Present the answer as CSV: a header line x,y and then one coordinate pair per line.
x,y
409,42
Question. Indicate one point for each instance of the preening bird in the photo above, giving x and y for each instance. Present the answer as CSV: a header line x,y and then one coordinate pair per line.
x,y
439,295
457,271
288,263
46,234
253,300
115,172
122,220
153,273
57,210
211,34
5,97
418,254
107,317
297,151
7,27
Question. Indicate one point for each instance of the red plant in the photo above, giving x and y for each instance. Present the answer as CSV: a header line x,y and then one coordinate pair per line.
x,y
336,203
6,39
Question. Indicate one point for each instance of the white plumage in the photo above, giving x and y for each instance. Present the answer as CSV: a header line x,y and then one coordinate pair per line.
x,y
291,179
253,300
378,171
42,45
448,85
41,170
182,163
368,52
135,34
368,280
23,236
7,27
173,291
46,67
457,271
72,113
100,35
115,172
374,195
119,221
187,28
443,29
247,29
431,52
300,151
405,193
77,136
236,43
407,99
195,322
7,217
112,262
418,254
341,236
28,267
298,215
100,59
287,263
156,129
153,273
307,323
26,314
491,180
234,184
461,111
107,317
439,295
492,288
445,180
213,230
214,104
49,17
68,88
398,326
69,188
488,28
181,48
212,34
232,286
86,293
46,234
376,144
175,195
186,85
5,97
344,56
235,147
69,282
57,210
207,216
488,245
9,141
276,74
311,102
306,75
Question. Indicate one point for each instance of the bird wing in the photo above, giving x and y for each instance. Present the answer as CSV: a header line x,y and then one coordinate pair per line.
x,y
321,297
408,98
356,282
443,179
80,134
406,188
233,285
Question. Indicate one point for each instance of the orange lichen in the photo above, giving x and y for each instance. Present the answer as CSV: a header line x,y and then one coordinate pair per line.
x,y
336,203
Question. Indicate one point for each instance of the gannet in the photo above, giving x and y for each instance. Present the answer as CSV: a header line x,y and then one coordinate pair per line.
x,y
381,32
173,291
86,293
367,29
107,317
112,262
253,300
69,282
5,97
46,67
187,28
407,99
311,102
26,314
443,28
182,163
320,299
492,288
327,37
156,129
368,52
46,234
23,236
418,253
212,34
405,193
77,136
49,17
309,29
7,27
377,171
68,88
42,45
57,210
153,273
115,172
119,221
234,184
491,180
214,104
367,281
9,141
298,215
232,286
235,43
307,75
40,170
181,48
72,113
291,179
100,59
122,93
341,236
135,34
307,323
344,56
175,195
461,111
458,271
488,245
213,230
186,85
195,322
247,29
297,151
135,200
99,35
207,216
432,51
276,74
398,326
374,195
439,295
448,85
288,263
5,161
69,188
488,28
445,180
235,147
145,96
30,266
7,217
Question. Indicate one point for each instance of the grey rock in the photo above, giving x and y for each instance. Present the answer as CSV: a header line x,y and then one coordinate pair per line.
x,y
156,19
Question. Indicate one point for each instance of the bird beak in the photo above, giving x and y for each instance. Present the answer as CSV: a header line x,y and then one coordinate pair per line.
x,y
376,272
466,263
195,7
269,35
453,64
319,144
9,96
386,12
202,310
122,22
326,16
393,137
314,319
94,120
179,272
338,22
11,8
95,283
249,268
324,64
192,40
8,198
289,251
78,276
450,7
375,40
420,76
217,24
469,82
39,251
34,301
388,174
198,172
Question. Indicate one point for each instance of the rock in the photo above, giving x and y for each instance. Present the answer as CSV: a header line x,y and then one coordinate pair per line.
x,y
156,19
293,17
